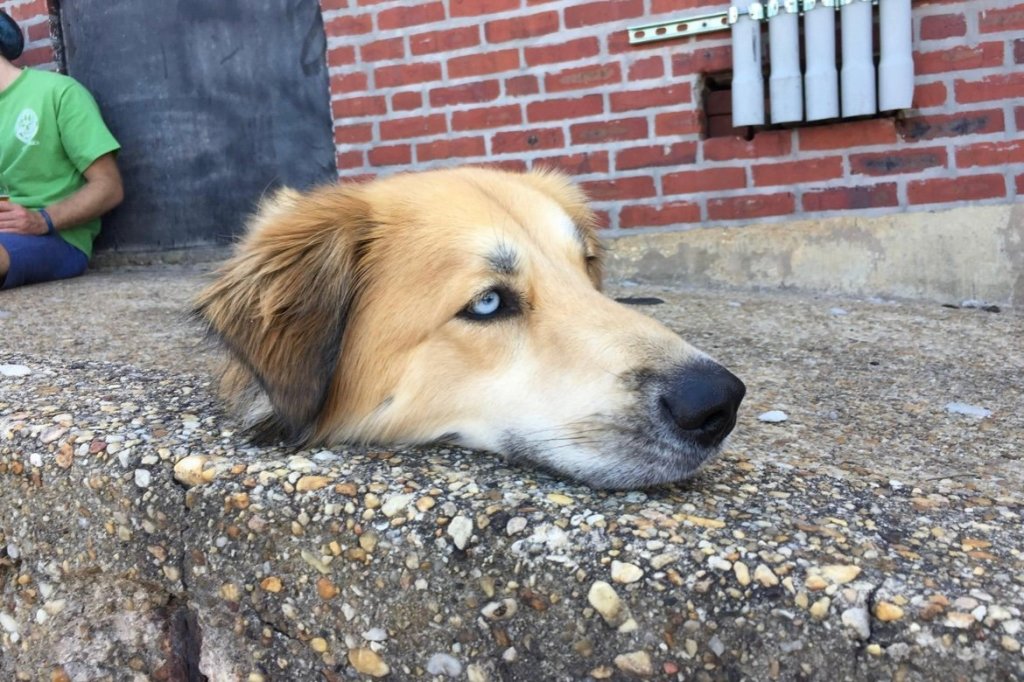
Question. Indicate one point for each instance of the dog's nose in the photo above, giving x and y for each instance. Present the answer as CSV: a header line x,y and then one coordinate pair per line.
x,y
702,401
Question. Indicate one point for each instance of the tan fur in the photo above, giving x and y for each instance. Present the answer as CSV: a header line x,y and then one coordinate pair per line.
x,y
341,309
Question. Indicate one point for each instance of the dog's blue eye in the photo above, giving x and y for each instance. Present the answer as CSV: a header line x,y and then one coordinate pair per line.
x,y
495,304
486,305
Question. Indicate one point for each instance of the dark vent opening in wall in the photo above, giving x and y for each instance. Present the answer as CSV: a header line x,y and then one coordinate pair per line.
x,y
717,99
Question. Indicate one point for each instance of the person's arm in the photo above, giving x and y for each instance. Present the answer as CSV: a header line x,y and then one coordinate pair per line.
x,y
101,192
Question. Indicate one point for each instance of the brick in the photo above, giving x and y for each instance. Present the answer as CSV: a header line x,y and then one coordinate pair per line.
x,y
667,95
772,143
511,165
840,135
960,188
583,77
487,117
520,27
349,25
466,93
618,189
602,12
642,69
580,163
346,160
678,154
798,172
959,58
475,8
399,75
720,125
997,20
485,63
749,206
702,60
36,32
1018,51
951,125
341,56
518,86
561,109
404,16
608,131
718,102
328,5
444,41
929,95
990,154
374,105
451,148
390,156
686,122
1018,114
566,51
353,134
1003,86
659,215
412,126
662,6
25,11
348,82
941,26
618,43
896,162
1019,181
527,140
406,100
391,48
704,180
851,198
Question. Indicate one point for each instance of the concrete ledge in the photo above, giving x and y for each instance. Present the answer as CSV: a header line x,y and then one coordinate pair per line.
x,y
972,253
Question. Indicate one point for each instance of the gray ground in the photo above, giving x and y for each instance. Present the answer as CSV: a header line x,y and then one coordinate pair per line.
x,y
875,534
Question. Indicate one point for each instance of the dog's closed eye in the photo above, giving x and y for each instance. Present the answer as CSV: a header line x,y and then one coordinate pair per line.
x,y
496,303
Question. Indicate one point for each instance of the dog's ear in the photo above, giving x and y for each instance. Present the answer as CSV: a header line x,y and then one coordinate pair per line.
x,y
281,302
573,200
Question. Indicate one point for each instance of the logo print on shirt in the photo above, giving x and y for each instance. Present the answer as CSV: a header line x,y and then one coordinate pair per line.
x,y
26,127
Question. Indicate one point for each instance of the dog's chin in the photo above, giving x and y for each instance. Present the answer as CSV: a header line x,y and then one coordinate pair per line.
x,y
627,462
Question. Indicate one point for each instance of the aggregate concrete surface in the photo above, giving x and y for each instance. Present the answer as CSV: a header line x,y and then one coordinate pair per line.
x,y
875,533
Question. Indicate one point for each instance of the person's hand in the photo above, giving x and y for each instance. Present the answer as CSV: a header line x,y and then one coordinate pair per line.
x,y
20,220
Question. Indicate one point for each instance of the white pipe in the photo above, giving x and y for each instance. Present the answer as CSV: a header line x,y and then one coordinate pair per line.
x,y
821,81
896,67
858,73
785,85
747,83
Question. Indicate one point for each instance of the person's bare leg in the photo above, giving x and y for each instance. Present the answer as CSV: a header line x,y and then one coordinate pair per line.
x,y
5,263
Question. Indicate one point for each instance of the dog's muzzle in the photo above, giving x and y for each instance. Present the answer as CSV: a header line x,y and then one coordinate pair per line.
x,y
701,401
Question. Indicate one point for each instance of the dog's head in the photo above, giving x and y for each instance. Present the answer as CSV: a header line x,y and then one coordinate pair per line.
x,y
460,305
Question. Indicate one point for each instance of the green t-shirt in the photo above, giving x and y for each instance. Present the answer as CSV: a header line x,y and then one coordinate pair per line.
x,y
51,131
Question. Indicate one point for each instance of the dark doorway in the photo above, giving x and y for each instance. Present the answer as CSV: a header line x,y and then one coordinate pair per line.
x,y
214,103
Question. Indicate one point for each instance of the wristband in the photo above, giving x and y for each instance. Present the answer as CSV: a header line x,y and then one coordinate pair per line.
x,y
49,222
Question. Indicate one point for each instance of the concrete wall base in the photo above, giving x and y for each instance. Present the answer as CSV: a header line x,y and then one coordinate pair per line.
x,y
967,253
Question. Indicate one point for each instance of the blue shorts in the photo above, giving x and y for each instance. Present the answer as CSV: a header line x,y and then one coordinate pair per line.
x,y
40,259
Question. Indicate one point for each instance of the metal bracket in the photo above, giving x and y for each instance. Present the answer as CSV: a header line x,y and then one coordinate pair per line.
x,y
707,23
664,30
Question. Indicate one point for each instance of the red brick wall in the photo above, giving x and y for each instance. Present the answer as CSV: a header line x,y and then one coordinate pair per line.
x,y
34,18
523,83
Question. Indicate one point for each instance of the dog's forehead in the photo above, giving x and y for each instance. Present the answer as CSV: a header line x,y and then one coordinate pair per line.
x,y
517,210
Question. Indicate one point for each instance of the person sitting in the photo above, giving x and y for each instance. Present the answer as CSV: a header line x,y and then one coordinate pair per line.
x,y
58,171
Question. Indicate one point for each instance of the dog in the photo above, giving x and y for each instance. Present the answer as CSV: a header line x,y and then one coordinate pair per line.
x,y
464,306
